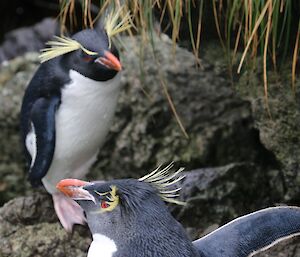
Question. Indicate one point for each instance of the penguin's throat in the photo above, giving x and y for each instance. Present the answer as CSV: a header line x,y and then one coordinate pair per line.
x,y
102,244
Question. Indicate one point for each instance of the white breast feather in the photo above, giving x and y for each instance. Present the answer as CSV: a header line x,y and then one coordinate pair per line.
x,y
82,123
102,246
30,143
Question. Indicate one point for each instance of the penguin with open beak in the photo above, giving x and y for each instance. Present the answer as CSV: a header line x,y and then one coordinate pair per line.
x,y
68,109
128,217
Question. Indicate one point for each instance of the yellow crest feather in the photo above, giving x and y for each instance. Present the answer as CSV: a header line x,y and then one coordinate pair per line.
x,y
162,179
112,24
61,46
115,23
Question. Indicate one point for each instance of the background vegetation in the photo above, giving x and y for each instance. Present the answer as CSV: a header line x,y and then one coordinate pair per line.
x,y
252,33
268,28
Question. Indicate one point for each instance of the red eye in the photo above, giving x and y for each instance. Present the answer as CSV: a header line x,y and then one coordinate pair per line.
x,y
104,205
87,58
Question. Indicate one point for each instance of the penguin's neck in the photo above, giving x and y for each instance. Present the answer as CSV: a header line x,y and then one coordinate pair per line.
x,y
146,235
102,246
86,85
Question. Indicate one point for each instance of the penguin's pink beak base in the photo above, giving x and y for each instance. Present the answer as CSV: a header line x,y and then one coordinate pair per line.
x,y
73,188
110,61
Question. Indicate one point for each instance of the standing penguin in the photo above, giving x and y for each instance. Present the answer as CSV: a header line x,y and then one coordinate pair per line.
x,y
128,218
68,108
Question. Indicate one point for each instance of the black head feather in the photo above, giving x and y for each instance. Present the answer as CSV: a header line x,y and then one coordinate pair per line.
x,y
141,224
80,61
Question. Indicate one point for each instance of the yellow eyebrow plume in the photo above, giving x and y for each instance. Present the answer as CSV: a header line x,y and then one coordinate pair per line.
x,y
112,197
162,179
60,46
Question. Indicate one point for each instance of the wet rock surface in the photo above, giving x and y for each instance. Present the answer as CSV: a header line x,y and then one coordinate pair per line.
x,y
221,129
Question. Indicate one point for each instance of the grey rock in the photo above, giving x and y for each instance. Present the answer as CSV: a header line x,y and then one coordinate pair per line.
x,y
286,248
28,39
29,228
218,195
145,133
14,77
279,133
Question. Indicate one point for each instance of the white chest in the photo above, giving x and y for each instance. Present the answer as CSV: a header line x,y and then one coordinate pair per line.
x,y
85,114
82,123
102,246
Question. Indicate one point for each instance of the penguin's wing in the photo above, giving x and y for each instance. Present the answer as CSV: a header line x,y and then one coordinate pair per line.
x,y
40,141
252,233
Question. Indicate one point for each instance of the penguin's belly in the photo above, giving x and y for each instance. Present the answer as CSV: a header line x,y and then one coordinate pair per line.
x,y
82,123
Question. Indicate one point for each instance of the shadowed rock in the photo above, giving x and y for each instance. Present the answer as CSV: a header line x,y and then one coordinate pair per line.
x,y
221,133
217,195
145,133
29,228
27,39
219,124
279,133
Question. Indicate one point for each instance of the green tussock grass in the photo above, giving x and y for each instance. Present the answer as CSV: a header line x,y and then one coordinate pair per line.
x,y
264,28
260,28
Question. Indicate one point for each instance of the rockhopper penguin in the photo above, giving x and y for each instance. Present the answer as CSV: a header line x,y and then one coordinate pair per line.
x,y
68,108
128,218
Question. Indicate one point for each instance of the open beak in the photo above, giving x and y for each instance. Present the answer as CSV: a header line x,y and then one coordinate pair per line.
x,y
110,61
73,188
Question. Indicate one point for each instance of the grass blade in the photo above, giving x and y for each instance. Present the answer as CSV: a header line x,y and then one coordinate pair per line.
x,y
295,57
258,22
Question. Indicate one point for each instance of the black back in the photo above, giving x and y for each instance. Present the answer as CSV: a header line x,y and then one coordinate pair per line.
x,y
45,86
252,233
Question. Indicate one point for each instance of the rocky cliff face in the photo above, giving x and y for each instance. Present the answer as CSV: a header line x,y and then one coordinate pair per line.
x,y
13,80
279,132
245,173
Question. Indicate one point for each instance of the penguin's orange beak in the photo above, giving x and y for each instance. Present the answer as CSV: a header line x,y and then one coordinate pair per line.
x,y
73,188
110,61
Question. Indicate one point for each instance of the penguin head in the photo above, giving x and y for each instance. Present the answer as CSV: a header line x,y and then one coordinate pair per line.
x,y
90,52
130,198
97,58
132,214
115,201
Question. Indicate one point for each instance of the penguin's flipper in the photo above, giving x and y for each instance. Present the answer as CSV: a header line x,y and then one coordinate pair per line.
x,y
252,233
40,141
